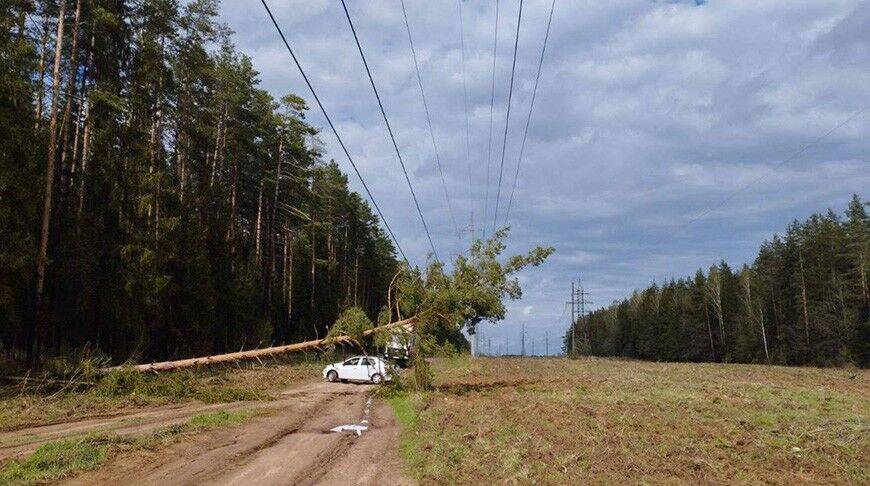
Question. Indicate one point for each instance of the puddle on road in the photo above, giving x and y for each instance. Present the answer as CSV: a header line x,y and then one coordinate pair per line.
x,y
359,428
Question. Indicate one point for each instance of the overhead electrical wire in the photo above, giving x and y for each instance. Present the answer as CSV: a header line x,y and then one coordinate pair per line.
x,y
465,105
428,117
758,179
529,117
389,129
491,106
507,118
334,131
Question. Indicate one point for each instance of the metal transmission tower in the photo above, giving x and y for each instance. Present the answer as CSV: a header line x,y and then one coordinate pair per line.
x,y
581,295
578,312
546,343
523,340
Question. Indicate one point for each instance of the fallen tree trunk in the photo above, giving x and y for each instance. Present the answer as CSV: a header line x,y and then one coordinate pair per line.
x,y
257,353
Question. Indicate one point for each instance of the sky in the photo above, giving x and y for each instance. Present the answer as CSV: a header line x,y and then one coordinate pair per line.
x,y
666,135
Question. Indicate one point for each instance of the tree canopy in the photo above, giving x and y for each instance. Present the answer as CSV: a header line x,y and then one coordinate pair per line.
x,y
804,300
186,211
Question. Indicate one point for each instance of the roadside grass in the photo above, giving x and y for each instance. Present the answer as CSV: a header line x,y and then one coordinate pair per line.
x,y
221,418
58,459
127,389
55,460
555,421
410,447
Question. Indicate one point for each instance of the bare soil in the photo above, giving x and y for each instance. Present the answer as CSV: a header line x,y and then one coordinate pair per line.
x,y
290,442
600,421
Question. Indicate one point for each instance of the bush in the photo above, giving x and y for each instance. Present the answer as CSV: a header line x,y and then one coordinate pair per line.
x,y
352,323
421,374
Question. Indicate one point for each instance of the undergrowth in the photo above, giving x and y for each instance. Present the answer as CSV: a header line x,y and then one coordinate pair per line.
x,y
40,402
61,458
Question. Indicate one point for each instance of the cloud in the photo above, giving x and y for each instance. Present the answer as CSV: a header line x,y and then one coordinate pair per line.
x,y
664,134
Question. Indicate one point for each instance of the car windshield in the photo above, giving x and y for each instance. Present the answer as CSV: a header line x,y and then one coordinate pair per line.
x,y
351,362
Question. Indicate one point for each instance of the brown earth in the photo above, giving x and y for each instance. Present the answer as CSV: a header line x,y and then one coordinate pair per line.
x,y
290,442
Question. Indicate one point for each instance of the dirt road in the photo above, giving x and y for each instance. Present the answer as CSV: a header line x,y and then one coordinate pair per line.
x,y
290,442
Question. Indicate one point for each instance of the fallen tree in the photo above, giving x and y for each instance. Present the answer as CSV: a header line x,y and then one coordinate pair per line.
x,y
407,324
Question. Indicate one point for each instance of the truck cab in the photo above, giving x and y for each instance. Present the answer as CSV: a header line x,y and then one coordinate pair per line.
x,y
399,348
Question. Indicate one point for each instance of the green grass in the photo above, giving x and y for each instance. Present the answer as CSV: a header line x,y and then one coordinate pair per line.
x,y
55,460
221,418
127,389
407,415
555,421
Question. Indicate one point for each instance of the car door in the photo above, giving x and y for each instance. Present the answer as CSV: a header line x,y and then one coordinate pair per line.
x,y
349,369
367,368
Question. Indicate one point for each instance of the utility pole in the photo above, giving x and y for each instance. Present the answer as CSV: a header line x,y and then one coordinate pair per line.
x,y
573,322
581,301
523,340
546,343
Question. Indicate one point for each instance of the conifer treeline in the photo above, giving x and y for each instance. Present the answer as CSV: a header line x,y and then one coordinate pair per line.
x,y
154,201
803,301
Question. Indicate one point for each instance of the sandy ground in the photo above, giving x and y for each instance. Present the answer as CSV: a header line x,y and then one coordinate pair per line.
x,y
292,443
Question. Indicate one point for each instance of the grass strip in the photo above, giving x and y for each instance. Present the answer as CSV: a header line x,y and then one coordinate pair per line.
x,y
61,458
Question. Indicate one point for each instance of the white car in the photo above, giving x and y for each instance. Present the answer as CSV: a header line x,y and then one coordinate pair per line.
x,y
358,368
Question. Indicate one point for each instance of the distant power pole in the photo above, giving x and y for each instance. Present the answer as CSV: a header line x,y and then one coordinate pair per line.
x,y
573,321
523,340
581,296
546,343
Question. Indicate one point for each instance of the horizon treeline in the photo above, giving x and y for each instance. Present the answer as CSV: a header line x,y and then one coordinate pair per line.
x,y
803,301
155,202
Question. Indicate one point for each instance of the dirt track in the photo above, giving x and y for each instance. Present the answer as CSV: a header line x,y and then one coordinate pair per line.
x,y
291,443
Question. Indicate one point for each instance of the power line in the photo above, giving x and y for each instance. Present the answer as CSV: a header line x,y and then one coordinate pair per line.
x,y
465,105
795,155
491,106
334,131
428,117
529,117
389,129
507,118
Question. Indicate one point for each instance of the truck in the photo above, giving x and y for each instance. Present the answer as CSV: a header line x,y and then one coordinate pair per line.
x,y
399,348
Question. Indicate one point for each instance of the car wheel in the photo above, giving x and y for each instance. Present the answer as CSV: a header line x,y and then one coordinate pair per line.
x,y
377,378
332,376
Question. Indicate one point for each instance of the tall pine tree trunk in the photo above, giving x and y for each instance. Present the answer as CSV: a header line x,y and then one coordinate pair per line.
x,y
257,232
806,313
40,85
710,332
277,190
42,256
288,274
86,139
70,93
313,288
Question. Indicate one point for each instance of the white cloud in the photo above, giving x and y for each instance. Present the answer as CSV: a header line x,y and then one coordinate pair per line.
x,y
648,113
